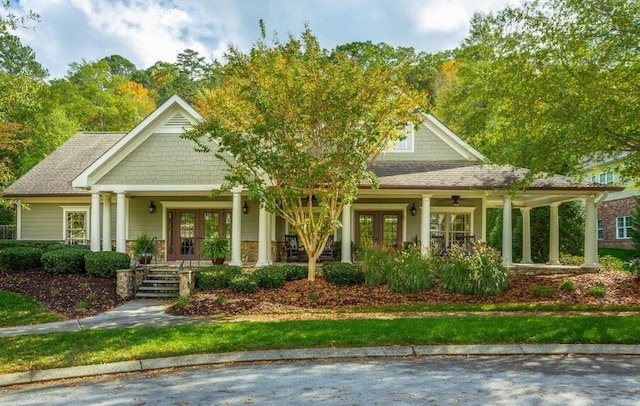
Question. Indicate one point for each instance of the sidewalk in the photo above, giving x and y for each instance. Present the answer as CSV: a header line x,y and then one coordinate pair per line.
x,y
151,313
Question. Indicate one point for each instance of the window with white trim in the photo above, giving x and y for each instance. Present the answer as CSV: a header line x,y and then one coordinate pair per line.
x,y
606,178
75,225
600,229
624,227
406,144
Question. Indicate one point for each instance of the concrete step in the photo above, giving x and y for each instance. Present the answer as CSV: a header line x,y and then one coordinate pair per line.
x,y
150,295
145,288
161,282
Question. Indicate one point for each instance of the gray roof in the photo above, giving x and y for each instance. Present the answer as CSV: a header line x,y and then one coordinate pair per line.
x,y
53,175
465,175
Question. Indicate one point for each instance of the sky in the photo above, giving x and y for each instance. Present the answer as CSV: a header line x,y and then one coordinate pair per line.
x,y
147,31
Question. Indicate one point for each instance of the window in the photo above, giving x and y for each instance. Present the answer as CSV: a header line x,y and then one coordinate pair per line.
x,y
75,225
623,227
406,144
606,178
600,229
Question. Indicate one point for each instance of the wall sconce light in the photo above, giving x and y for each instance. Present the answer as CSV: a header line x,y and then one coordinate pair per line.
x,y
245,208
152,207
414,210
455,200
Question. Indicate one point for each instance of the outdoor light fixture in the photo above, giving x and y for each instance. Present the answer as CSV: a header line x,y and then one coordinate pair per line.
x,y
414,210
245,208
454,200
152,207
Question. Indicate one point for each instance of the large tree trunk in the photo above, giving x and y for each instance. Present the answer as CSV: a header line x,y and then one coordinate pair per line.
x,y
312,269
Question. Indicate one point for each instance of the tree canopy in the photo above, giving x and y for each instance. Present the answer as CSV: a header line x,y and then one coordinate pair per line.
x,y
297,124
560,78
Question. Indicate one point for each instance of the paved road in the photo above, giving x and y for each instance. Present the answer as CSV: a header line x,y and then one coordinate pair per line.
x,y
549,380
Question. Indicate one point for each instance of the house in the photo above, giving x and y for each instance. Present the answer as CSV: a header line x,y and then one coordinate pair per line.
x,y
105,189
616,212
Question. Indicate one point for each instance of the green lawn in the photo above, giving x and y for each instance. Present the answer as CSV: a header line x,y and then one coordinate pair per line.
x,y
101,346
19,310
617,252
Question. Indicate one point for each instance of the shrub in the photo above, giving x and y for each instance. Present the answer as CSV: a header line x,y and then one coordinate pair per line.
x,y
574,260
67,260
216,277
243,283
20,258
270,277
105,264
633,266
610,263
412,273
294,272
597,291
478,272
543,291
4,244
567,285
377,265
341,273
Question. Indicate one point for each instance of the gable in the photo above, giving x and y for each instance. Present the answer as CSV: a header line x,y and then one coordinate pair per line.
x,y
433,142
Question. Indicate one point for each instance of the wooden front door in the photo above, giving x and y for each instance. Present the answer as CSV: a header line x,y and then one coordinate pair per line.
x,y
378,228
187,229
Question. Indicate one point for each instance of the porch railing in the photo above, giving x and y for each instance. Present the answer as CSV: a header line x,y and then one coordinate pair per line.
x,y
8,232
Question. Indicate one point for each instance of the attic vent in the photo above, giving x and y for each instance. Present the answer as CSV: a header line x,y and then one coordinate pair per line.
x,y
178,121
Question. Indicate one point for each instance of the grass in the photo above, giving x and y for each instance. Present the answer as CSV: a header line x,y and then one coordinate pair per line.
x,y
19,310
621,253
102,346
492,307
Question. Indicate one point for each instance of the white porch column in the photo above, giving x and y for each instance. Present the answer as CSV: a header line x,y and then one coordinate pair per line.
x,y
526,235
106,222
236,238
554,235
590,231
425,226
263,239
95,221
483,235
507,257
18,220
121,222
345,252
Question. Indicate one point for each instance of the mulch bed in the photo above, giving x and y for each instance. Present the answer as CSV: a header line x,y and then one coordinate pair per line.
x,y
64,294
621,288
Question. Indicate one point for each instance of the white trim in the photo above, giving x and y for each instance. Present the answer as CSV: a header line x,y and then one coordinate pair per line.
x,y
452,140
132,140
76,209
158,188
628,237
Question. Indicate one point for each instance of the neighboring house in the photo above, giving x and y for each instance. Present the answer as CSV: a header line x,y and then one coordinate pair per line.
x,y
615,213
105,189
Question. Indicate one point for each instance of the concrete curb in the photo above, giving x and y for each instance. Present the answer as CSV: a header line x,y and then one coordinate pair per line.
x,y
314,353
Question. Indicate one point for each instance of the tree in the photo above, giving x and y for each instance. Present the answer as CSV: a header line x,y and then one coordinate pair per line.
x,y
559,77
18,59
296,125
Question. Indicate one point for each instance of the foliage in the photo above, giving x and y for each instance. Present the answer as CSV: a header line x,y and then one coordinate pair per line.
x,y
215,248
182,302
243,283
293,272
144,245
20,258
597,291
573,260
633,266
45,245
343,274
567,285
216,277
66,260
611,263
557,77
294,108
479,272
377,264
635,233
412,273
544,291
270,277
571,230
105,263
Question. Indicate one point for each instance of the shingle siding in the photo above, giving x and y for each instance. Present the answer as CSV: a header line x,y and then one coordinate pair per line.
x,y
166,159
427,146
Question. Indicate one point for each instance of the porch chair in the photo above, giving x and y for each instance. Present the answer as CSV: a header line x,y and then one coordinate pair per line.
x,y
295,252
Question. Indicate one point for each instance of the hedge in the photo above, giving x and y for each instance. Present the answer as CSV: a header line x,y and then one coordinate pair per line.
x,y
105,263
341,273
216,277
65,260
270,277
20,258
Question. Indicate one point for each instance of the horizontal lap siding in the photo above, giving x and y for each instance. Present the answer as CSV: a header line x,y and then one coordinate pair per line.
x,y
42,221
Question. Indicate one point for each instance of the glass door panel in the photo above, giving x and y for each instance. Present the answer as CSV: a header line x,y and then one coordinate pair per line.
x,y
379,229
211,225
390,230
187,233
365,229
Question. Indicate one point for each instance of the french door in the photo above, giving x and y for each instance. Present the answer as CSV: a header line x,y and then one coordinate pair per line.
x,y
378,228
187,229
